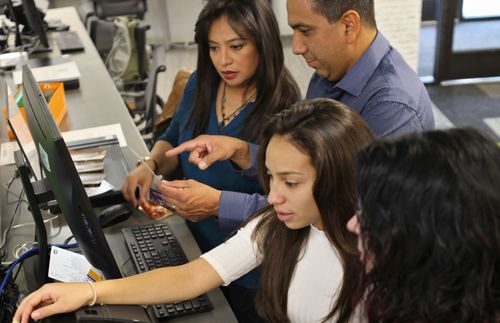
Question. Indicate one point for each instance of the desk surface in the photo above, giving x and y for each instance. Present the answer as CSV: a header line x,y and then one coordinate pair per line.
x,y
97,102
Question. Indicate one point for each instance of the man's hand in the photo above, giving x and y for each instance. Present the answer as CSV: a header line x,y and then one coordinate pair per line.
x,y
191,199
207,149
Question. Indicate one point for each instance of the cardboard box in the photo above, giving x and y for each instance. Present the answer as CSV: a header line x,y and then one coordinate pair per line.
x,y
54,92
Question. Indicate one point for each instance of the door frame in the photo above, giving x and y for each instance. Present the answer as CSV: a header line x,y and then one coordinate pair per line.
x,y
450,65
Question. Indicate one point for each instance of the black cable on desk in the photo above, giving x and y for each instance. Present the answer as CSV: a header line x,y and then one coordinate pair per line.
x,y
10,296
9,291
16,211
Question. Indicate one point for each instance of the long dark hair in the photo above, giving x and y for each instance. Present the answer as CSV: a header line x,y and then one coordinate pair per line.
x,y
430,222
331,134
276,89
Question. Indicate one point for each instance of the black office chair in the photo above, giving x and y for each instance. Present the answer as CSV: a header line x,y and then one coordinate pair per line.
x,y
109,9
101,33
143,104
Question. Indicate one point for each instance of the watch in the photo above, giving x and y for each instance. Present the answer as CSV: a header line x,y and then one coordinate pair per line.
x,y
145,159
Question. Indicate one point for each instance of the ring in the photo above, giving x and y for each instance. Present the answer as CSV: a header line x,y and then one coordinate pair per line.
x,y
172,206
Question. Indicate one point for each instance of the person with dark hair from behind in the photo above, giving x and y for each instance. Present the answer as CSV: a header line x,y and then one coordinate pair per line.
x,y
354,64
307,256
428,228
239,82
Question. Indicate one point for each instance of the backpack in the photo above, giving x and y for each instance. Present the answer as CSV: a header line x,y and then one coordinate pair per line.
x,y
122,61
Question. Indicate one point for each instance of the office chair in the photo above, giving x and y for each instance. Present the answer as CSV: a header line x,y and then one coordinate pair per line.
x,y
101,33
173,100
109,9
143,104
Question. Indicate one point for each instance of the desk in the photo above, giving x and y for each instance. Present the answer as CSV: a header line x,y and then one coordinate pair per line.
x,y
97,102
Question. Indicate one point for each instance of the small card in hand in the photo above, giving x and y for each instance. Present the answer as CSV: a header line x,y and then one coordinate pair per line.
x,y
156,207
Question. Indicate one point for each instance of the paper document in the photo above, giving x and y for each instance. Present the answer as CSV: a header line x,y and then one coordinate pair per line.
x,y
52,73
103,188
96,132
7,149
7,153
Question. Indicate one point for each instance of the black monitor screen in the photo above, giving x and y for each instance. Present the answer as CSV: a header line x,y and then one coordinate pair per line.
x,y
35,21
64,181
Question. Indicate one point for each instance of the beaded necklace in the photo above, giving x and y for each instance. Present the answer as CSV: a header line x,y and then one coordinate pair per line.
x,y
235,113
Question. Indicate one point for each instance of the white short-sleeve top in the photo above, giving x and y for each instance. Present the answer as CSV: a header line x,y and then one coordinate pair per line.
x,y
315,282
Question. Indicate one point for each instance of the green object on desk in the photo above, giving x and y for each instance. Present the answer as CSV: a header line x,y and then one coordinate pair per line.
x,y
18,97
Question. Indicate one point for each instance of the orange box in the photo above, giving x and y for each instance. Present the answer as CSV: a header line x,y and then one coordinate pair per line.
x,y
57,102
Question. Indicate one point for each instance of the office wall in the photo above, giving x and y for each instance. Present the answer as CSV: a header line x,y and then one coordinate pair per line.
x,y
399,20
172,21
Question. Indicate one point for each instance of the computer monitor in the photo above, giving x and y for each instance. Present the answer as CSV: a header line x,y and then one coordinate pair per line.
x,y
64,181
35,22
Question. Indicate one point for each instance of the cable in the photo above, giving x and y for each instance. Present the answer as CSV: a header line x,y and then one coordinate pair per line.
x,y
14,264
20,249
68,239
22,257
9,184
123,265
27,224
11,192
16,211
16,175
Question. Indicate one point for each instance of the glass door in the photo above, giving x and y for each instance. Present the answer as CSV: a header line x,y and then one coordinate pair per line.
x,y
467,47
480,9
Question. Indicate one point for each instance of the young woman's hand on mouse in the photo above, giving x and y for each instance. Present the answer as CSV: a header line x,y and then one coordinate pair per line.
x,y
53,299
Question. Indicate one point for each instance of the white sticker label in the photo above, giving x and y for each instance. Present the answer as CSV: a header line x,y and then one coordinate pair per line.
x,y
44,158
68,266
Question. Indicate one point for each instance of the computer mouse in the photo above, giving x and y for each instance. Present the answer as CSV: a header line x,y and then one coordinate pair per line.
x,y
115,214
112,314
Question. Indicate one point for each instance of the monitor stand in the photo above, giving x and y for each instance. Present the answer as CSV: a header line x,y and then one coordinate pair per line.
x,y
32,45
36,267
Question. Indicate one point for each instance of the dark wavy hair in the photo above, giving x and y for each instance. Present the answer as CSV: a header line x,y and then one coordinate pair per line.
x,y
334,9
331,134
276,88
430,222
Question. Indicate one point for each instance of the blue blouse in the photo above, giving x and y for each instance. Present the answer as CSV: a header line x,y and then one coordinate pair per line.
x,y
219,175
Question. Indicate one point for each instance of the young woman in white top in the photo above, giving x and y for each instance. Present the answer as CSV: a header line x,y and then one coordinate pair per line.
x,y
307,256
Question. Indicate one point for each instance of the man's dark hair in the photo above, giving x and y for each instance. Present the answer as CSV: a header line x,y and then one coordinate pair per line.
x,y
334,9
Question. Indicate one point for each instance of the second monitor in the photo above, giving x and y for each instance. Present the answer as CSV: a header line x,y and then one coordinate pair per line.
x,y
64,181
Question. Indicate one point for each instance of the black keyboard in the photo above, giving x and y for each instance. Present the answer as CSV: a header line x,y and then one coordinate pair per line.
x,y
68,41
154,246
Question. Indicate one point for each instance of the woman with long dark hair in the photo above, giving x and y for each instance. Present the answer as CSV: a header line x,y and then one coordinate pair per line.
x,y
429,228
307,256
240,82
